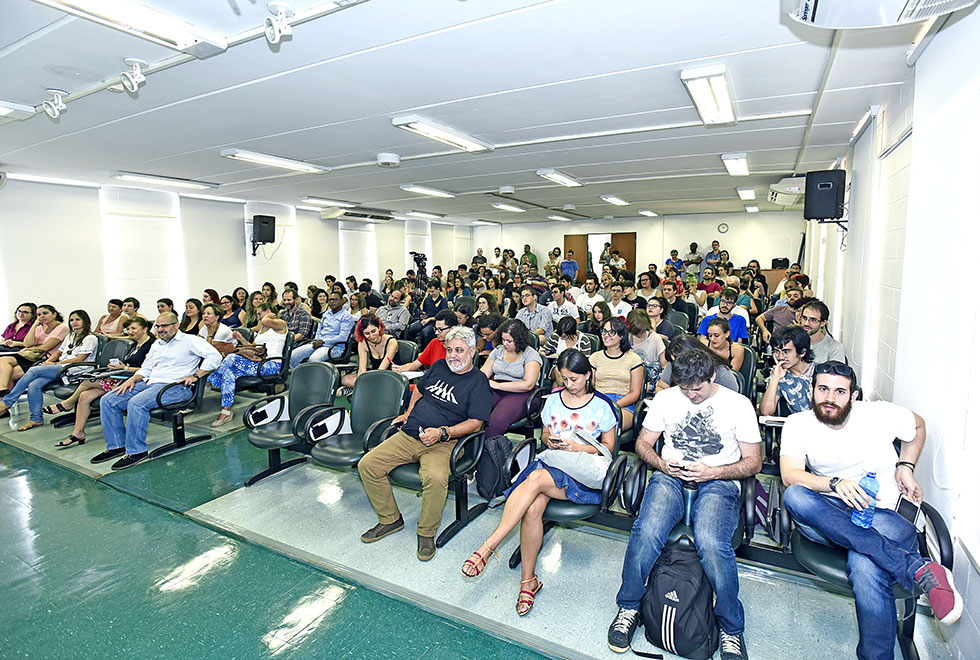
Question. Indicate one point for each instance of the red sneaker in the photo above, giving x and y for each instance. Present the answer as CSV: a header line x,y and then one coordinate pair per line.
x,y
937,583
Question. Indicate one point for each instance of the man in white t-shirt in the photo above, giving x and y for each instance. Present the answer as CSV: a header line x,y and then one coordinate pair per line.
x,y
711,438
560,306
841,440
591,295
618,306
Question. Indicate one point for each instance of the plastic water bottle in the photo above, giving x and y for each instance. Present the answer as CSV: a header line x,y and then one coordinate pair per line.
x,y
863,518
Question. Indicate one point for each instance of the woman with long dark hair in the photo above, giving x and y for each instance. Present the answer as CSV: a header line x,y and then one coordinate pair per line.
x,y
191,322
513,368
619,371
45,335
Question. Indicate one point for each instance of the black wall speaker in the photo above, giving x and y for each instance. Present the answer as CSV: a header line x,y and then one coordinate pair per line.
x,y
263,229
824,195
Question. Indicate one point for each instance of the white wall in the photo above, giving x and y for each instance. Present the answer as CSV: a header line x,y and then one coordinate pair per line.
x,y
214,234
276,262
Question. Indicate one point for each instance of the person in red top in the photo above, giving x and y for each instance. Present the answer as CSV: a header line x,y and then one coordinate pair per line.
x,y
436,349
708,283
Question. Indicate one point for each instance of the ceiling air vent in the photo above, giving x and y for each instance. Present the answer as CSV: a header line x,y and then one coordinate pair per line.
x,y
844,14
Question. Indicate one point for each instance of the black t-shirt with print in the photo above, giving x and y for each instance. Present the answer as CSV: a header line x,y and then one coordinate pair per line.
x,y
448,399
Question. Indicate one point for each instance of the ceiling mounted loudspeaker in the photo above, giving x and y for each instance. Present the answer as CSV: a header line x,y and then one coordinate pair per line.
x,y
54,105
389,160
277,26
131,80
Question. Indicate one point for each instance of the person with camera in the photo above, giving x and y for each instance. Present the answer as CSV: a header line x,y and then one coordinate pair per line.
x,y
824,453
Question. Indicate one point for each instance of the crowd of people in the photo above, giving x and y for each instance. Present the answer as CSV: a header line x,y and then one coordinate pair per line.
x,y
492,332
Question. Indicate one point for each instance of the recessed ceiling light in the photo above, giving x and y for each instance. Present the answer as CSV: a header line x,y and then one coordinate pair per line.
x,y
752,209
274,161
434,131
425,214
711,93
736,164
746,194
425,190
612,199
175,182
507,207
323,201
559,218
559,177
649,214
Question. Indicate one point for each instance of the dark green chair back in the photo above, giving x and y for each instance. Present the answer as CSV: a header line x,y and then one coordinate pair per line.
x,y
408,351
114,349
377,394
311,383
459,300
749,363
593,340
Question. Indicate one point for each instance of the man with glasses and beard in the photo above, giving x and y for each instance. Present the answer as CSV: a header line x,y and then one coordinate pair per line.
x,y
450,401
840,440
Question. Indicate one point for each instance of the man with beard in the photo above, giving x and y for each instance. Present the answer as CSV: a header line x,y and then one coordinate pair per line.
x,y
781,315
814,317
711,438
792,374
450,401
840,440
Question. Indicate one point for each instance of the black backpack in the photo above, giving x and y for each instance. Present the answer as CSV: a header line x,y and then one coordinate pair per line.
x,y
493,470
677,609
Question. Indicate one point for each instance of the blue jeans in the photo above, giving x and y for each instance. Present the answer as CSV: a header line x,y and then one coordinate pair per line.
x,y
878,558
137,404
33,382
715,516
321,354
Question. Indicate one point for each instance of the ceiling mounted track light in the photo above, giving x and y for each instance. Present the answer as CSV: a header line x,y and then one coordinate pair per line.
x,y
131,80
54,105
277,26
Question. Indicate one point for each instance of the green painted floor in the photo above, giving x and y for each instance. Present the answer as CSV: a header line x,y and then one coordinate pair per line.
x,y
87,571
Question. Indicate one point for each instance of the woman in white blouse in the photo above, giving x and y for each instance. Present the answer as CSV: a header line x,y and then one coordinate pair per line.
x,y
218,334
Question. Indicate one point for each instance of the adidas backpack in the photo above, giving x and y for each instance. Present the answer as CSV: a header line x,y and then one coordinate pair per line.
x,y
677,609
493,472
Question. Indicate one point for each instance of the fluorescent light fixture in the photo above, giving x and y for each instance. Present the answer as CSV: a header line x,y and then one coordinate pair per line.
x,y
323,201
711,93
559,178
649,214
872,112
482,223
145,23
746,194
559,218
52,180
751,209
136,177
434,131
425,190
12,110
216,198
736,164
425,214
616,201
274,161
507,207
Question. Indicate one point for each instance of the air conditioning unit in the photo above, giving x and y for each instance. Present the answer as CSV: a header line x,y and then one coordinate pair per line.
x,y
788,191
364,215
843,14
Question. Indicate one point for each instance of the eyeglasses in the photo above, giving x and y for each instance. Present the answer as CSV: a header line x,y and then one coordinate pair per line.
x,y
608,332
164,325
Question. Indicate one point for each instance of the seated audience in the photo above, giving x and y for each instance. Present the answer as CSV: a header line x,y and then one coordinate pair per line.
x,y
164,306
792,376
648,283
824,453
357,305
451,400
111,323
252,310
45,336
376,350
726,310
435,350
536,318
718,337
422,331
232,316
318,304
647,344
617,304
565,336
92,389
216,333
657,307
746,300
372,301
619,371
209,296
331,335
575,409
780,315
77,346
174,357
493,288
629,292
560,306
394,315
486,331
298,320
486,304
270,295
131,309
246,359
588,299
692,296
685,342
600,314
190,324
814,317
711,437
240,296
15,333
513,368
464,314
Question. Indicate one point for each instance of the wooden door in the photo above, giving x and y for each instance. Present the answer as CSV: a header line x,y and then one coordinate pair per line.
x,y
625,242
579,244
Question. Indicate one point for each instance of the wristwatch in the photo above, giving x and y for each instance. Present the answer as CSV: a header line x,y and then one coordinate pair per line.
x,y
833,483
445,433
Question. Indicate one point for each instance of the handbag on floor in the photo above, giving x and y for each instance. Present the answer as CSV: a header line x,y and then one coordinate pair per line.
x,y
585,468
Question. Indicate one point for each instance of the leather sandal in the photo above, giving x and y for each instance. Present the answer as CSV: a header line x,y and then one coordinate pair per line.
x,y
69,441
55,409
526,596
30,425
480,562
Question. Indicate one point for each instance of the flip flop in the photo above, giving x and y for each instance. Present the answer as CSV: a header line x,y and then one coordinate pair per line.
x,y
30,425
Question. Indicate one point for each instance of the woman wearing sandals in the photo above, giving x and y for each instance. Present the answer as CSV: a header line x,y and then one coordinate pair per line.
x,y
76,347
574,409
89,390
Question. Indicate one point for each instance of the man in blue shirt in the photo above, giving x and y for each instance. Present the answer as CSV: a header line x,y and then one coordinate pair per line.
x,y
726,308
570,266
335,327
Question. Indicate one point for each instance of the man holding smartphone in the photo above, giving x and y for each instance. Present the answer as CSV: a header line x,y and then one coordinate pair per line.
x,y
841,440
711,438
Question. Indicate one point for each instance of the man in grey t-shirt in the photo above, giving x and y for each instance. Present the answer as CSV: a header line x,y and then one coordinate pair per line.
x,y
825,348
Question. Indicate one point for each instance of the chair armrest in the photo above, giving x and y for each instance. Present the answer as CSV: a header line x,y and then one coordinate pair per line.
x,y
75,365
633,487
344,354
527,443
321,413
270,378
638,415
300,342
299,422
785,521
264,401
386,431
942,534
348,366
748,506
534,403
179,404
612,482
458,455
